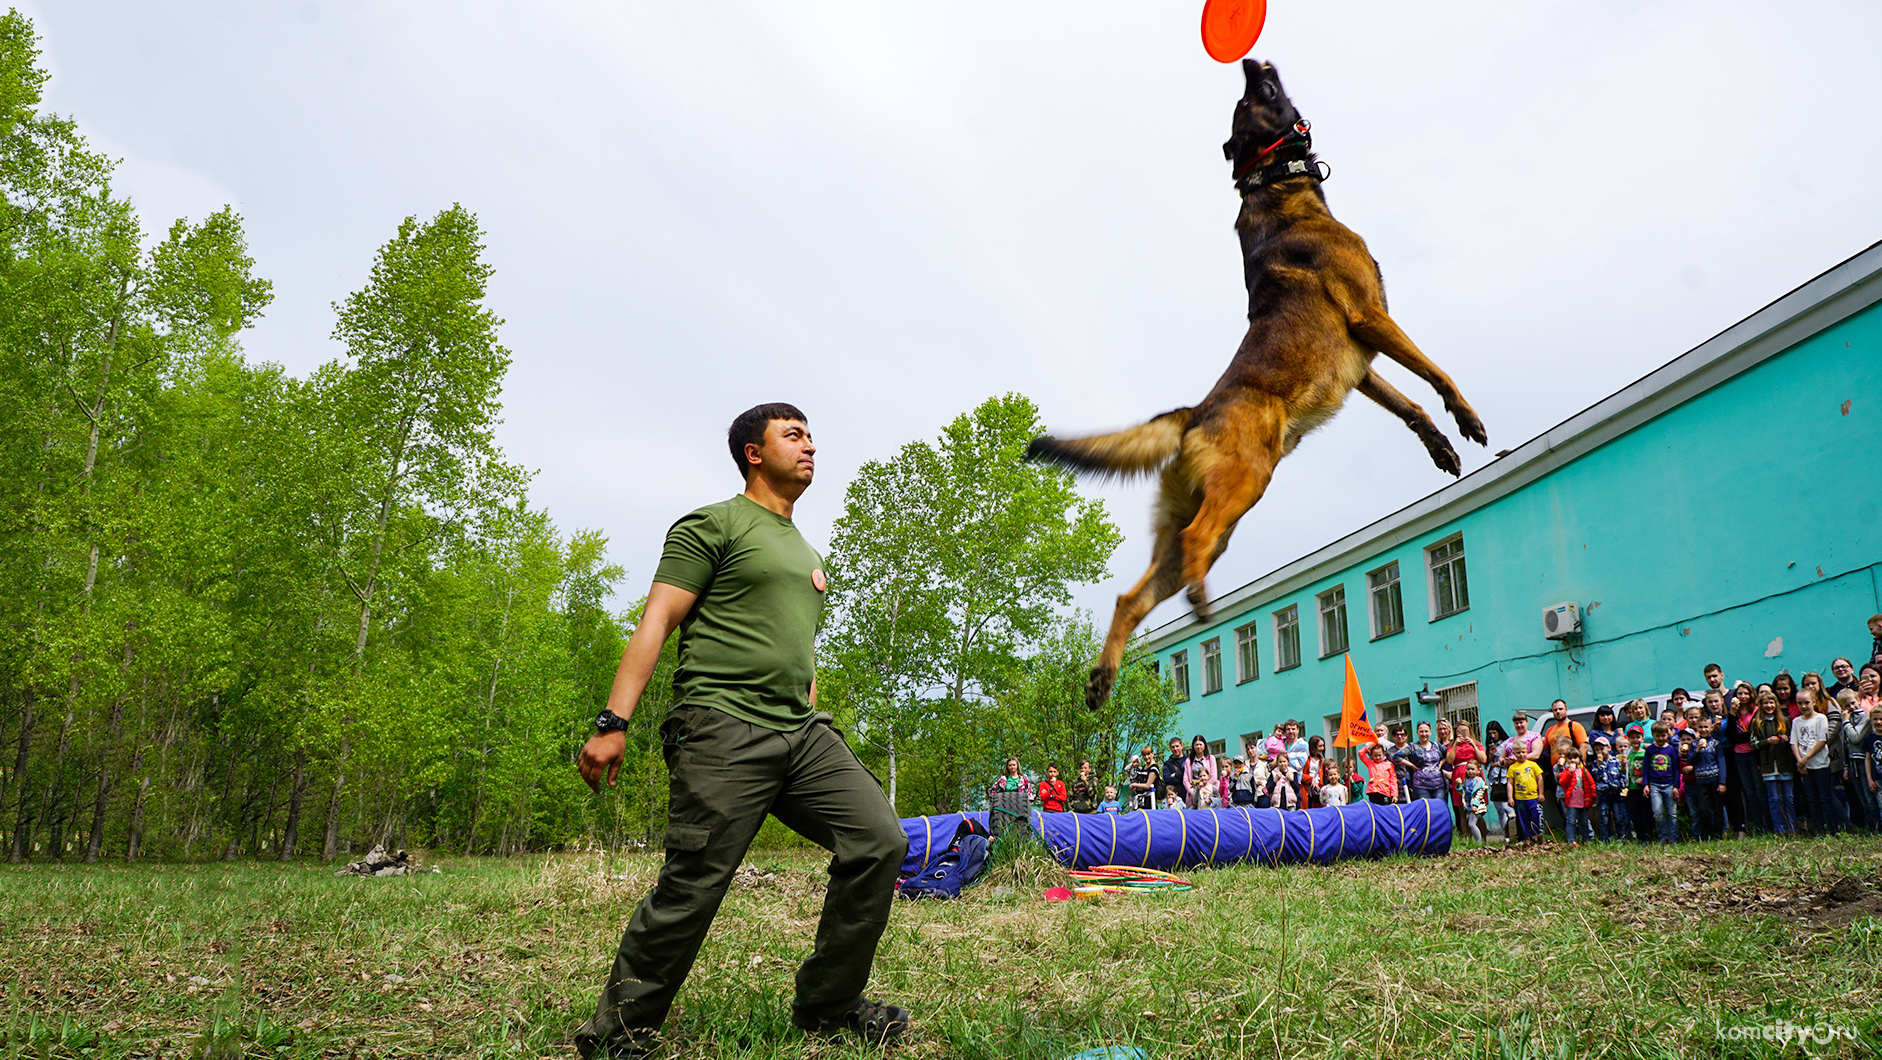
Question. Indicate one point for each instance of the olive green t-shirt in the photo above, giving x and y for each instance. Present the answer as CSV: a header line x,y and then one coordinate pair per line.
x,y
745,648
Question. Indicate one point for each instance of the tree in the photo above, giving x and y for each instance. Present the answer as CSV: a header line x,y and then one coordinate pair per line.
x,y
1043,717
953,558
409,426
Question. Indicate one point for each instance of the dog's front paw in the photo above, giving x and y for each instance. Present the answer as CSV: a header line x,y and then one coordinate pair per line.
x,y
1468,424
1199,601
1443,454
1098,687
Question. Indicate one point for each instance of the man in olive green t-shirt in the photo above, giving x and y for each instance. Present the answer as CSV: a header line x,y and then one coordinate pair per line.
x,y
744,739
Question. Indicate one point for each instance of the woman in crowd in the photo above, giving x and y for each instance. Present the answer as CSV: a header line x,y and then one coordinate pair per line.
x,y
1863,741
1497,774
1845,673
1427,758
1603,730
1313,775
1786,691
1458,756
1745,787
1198,768
1777,766
1402,764
1013,780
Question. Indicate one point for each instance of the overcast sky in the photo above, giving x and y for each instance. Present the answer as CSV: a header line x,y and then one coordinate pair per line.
x,y
886,212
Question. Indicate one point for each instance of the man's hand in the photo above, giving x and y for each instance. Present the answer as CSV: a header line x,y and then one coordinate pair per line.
x,y
602,754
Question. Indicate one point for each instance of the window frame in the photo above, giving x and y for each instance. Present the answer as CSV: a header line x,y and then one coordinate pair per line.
x,y
1325,605
1248,653
1179,674
1210,652
1393,712
1459,575
1291,614
1374,590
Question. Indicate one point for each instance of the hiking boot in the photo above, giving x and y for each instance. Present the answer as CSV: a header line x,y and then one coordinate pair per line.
x,y
628,1045
873,1021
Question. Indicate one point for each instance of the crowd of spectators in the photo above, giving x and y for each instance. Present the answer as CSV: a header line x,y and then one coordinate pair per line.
x,y
1786,756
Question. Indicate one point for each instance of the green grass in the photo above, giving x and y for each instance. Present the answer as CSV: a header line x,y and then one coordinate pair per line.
x,y
1534,953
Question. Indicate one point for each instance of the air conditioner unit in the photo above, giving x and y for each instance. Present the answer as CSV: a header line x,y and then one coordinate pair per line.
x,y
1561,621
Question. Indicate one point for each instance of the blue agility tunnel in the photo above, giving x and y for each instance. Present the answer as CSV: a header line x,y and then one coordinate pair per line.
x,y
1170,839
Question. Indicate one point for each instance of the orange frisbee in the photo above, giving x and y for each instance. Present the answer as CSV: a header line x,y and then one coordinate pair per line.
x,y
1231,27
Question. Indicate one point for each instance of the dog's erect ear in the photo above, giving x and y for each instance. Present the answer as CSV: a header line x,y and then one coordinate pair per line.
x,y
1251,70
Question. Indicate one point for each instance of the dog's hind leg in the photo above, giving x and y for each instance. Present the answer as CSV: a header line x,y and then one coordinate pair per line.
x,y
1236,455
1375,387
1375,327
1176,507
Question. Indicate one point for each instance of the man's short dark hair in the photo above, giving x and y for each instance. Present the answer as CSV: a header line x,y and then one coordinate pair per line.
x,y
1712,668
749,428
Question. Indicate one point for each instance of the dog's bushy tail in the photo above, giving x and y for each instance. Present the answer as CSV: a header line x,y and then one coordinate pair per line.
x,y
1133,451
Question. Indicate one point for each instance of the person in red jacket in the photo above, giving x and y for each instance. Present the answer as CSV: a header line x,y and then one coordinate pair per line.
x,y
1051,793
1575,782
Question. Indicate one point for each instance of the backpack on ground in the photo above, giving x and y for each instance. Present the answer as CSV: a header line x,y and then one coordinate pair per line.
x,y
954,870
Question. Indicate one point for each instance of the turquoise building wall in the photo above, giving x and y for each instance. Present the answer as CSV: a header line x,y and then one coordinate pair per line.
x,y
1724,509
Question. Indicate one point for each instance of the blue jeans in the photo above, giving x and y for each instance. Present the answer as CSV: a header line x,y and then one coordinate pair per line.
x,y
1777,800
1574,822
1611,815
1665,811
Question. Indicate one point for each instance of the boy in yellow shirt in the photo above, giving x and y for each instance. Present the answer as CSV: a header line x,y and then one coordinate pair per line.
x,y
1526,791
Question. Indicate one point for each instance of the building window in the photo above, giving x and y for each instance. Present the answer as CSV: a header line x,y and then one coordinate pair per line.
x,y
1332,621
1287,637
1247,662
1179,675
1218,747
1458,704
1388,607
1397,712
1450,590
1212,665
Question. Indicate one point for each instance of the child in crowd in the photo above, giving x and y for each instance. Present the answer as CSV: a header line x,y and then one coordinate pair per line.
x,y
1810,741
1777,764
1173,801
1110,803
1333,792
1660,774
1381,775
1476,802
1705,780
1258,772
1610,780
1208,796
1639,809
1241,784
1577,789
1526,789
1282,794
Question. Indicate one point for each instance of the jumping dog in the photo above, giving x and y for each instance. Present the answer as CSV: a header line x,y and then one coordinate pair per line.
x,y
1316,318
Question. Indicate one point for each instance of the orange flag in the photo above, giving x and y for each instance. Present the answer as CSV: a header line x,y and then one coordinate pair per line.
x,y
1355,730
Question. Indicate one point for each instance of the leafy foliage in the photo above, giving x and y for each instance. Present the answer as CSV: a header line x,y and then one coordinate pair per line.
x,y
235,602
946,647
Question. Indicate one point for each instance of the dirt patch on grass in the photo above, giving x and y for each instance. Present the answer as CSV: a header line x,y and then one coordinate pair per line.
x,y
1844,902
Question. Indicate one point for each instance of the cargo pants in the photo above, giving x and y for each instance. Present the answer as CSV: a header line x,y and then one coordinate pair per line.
x,y
724,776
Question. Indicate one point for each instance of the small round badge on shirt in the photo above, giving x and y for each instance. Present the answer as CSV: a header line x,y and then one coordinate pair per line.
x,y
816,579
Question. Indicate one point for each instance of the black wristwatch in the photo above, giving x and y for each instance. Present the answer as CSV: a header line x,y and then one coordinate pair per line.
x,y
609,721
